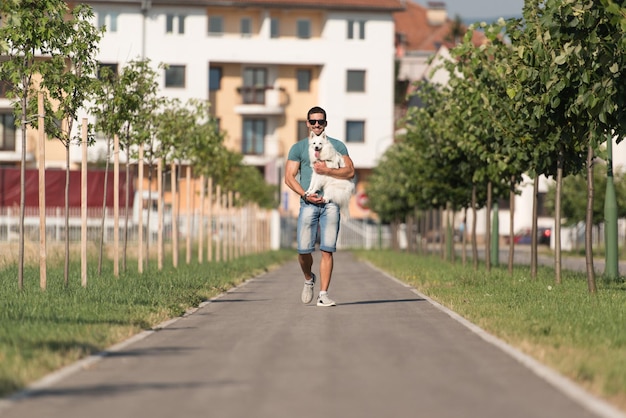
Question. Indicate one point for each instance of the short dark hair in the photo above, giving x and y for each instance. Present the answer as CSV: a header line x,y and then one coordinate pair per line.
x,y
316,109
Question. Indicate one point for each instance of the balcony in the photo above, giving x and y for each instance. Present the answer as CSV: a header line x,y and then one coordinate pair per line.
x,y
265,100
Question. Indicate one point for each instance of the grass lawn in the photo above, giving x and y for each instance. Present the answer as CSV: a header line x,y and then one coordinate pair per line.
x,y
43,331
583,336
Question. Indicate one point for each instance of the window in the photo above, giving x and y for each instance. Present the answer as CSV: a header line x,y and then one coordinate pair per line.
x,y
113,22
302,130
107,70
253,136
7,132
355,131
245,26
174,23
175,76
274,28
303,27
215,78
108,21
254,84
216,25
304,80
356,81
356,29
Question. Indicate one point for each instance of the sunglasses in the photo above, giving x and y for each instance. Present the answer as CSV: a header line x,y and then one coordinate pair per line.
x,y
322,122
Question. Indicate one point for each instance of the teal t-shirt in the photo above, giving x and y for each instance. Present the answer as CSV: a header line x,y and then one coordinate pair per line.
x,y
300,152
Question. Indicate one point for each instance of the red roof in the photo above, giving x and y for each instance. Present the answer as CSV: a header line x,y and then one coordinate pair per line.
x,y
420,35
367,5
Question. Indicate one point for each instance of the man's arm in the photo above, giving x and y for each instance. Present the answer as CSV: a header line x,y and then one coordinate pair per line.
x,y
344,173
291,171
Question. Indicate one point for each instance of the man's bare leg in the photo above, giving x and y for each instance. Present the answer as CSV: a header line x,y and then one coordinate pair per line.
x,y
306,263
326,270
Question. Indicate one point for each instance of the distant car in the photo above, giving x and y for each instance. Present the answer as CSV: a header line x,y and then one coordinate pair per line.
x,y
543,236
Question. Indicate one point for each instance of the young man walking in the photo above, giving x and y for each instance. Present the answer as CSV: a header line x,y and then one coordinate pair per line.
x,y
314,212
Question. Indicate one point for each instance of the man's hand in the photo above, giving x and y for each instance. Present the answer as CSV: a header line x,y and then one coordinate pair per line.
x,y
321,168
314,198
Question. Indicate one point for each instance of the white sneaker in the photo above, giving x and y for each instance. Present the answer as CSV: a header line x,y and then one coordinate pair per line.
x,y
307,291
324,300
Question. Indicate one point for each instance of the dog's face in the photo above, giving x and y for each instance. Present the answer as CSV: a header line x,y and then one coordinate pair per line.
x,y
317,143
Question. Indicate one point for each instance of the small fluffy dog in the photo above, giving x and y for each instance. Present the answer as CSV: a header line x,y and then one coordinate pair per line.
x,y
335,190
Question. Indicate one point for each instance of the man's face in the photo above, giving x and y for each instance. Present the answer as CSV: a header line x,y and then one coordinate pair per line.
x,y
316,123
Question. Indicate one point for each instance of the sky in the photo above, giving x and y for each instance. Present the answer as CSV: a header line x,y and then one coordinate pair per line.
x,y
478,10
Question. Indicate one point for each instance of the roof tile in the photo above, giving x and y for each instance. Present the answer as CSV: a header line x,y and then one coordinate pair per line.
x,y
382,5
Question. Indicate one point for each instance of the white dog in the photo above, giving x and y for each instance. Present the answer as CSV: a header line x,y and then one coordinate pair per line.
x,y
335,190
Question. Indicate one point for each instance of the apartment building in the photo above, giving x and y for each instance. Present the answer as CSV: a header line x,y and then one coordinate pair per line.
x,y
262,64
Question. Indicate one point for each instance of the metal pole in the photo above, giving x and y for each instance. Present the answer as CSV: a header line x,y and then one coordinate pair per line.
x,y
610,218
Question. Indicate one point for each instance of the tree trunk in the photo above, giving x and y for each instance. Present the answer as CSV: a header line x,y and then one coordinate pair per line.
x,y
104,206
533,246
20,262
175,216
160,214
409,220
140,227
474,245
488,229
66,266
209,247
159,197
511,225
189,214
450,232
126,217
43,280
557,220
464,238
116,206
442,233
591,280
201,223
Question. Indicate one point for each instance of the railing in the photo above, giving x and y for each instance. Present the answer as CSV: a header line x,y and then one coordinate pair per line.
x,y
241,229
262,95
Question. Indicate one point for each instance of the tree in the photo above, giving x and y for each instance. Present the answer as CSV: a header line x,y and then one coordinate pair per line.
x,y
572,81
46,46
70,83
126,107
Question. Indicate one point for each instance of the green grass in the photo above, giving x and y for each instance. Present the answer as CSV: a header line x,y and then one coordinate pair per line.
x,y
41,331
581,335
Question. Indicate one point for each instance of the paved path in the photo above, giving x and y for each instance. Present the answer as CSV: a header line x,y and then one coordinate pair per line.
x,y
384,352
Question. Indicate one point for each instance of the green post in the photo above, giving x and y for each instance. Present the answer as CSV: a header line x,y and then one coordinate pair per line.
x,y
611,268
380,235
495,236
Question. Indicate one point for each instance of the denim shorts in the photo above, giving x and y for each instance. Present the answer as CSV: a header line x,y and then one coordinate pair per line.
x,y
327,218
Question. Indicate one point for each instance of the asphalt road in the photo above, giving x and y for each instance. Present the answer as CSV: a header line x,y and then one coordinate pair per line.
x,y
257,351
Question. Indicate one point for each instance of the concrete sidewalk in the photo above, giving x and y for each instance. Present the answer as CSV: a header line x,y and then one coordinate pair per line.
x,y
257,351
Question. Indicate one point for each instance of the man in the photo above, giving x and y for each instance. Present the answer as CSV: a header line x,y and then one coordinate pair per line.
x,y
314,212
